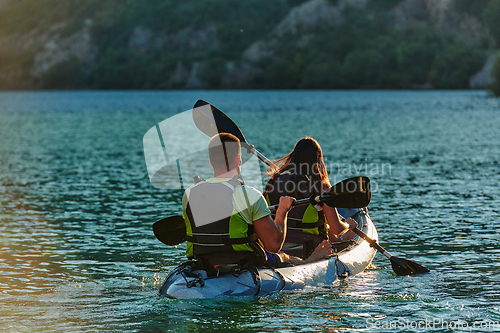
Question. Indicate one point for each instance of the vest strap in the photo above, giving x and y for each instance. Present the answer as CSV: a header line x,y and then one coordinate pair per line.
x,y
302,225
223,240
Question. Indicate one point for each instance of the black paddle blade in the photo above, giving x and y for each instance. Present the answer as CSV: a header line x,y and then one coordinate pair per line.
x,y
350,193
211,121
403,267
170,230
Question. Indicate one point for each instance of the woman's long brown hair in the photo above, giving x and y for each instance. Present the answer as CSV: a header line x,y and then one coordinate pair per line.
x,y
306,157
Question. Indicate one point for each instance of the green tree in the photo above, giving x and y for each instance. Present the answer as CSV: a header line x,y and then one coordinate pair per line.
x,y
454,65
495,72
326,74
383,4
491,17
122,69
68,74
212,71
471,7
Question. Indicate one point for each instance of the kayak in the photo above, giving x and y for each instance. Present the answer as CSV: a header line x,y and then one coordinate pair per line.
x,y
186,282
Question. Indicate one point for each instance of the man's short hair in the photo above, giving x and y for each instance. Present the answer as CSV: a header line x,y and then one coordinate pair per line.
x,y
222,150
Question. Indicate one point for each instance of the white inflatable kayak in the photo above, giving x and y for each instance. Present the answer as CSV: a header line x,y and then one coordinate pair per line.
x,y
184,282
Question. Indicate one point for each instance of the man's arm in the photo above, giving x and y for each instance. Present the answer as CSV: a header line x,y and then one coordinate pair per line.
x,y
273,233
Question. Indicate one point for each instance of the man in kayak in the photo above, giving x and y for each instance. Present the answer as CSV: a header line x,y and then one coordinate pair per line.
x,y
300,174
226,220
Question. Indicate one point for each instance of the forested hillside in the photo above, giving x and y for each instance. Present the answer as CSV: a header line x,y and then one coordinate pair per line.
x,y
284,44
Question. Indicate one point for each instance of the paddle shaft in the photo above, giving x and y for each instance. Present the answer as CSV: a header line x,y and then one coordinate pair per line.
x,y
260,156
401,267
317,199
372,242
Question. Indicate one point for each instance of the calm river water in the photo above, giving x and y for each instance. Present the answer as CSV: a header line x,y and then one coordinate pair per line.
x,y
77,252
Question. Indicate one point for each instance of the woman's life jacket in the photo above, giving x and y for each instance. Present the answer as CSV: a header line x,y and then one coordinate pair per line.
x,y
215,229
306,223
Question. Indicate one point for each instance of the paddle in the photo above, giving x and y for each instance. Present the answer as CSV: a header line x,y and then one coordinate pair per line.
x,y
350,193
211,121
401,267
170,230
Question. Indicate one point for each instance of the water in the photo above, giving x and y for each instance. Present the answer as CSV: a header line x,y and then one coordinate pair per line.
x,y
77,253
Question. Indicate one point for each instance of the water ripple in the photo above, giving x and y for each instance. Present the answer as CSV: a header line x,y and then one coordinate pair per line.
x,y
77,252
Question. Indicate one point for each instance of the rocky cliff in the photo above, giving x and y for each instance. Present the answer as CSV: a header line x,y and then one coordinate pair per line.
x,y
28,59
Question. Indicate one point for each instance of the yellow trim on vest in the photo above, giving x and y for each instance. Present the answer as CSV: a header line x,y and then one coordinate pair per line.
x,y
268,201
238,228
189,232
310,216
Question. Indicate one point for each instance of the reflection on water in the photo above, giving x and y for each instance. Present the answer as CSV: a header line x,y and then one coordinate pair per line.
x,y
77,252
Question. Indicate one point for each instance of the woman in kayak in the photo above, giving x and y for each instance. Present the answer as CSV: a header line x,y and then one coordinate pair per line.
x,y
300,174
